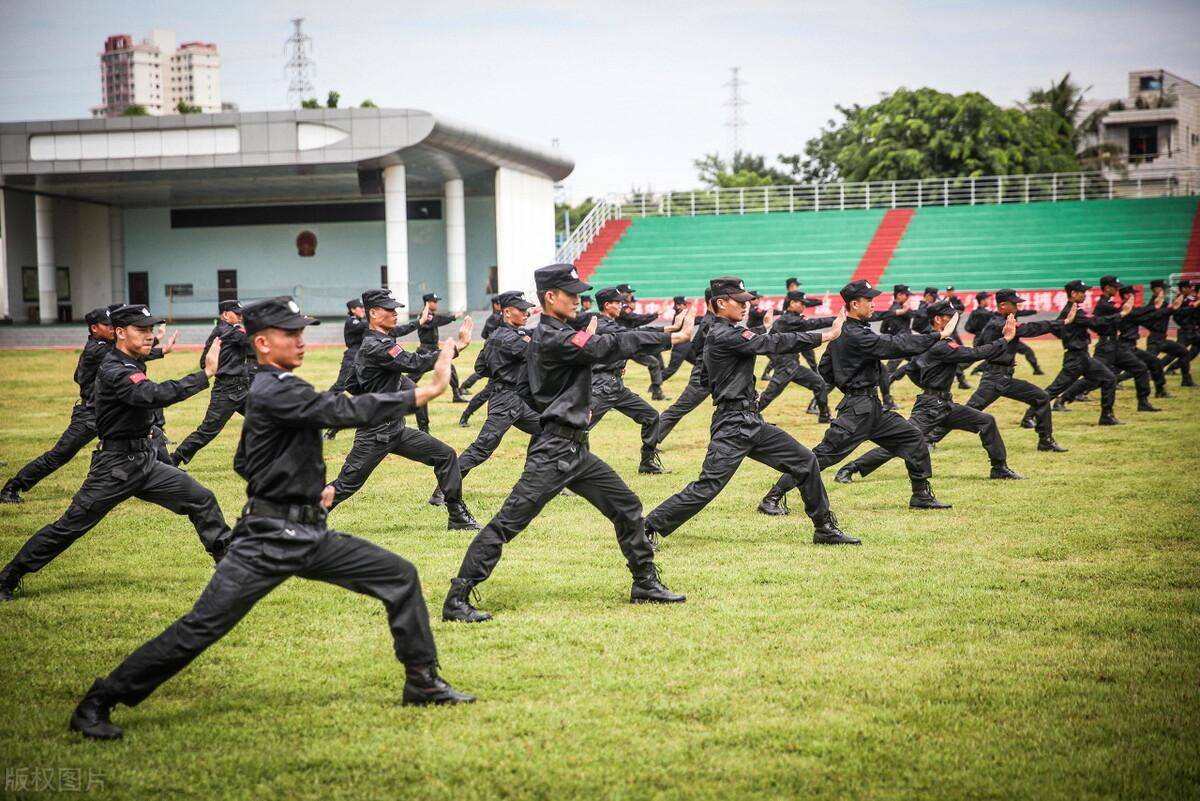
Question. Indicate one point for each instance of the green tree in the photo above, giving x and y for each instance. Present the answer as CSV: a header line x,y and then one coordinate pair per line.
x,y
744,169
576,214
312,102
183,107
925,133
331,101
136,110
1060,105
368,103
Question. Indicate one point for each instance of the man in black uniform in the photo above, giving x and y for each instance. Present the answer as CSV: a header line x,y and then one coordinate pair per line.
x,y
585,303
1076,336
959,307
1187,319
981,315
683,352
852,364
125,466
1129,334
1172,353
82,428
628,318
494,320
998,380
380,367
231,384
1110,311
697,388
427,335
894,321
282,531
352,334
608,385
559,364
785,367
935,414
738,429
504,357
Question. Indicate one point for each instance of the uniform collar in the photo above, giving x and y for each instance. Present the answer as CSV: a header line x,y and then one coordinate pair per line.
x,y
554,322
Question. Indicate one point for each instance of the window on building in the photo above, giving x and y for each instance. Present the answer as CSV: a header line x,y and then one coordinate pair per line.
x,y
227,285
29,284
62,282
1149,83
1143,142
383,276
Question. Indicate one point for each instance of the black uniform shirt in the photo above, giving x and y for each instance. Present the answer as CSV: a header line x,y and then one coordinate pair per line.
x,y
792,323
730,351
699,376
854,357
279,453
1157,323
560,360
920,318
994,330
937,366
93,353
617,363
977,319
427,332
126,400
505,356
494,321
381,361
236,351
628,318
893,323
1077,335
1130,326
353,330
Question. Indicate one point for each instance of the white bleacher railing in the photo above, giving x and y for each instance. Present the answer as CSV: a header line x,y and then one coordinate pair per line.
x,y
915,194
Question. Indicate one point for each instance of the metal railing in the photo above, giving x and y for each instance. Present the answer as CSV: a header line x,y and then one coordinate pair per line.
x,y
824,197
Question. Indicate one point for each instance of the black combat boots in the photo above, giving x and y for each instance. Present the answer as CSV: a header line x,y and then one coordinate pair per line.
x,y
774,503
651,464
457,606
1005,473
423,685
91,717
1108,419
1047,443
922,497
826,532
10,494
460,517
647,589
1144,405
845,475
10,579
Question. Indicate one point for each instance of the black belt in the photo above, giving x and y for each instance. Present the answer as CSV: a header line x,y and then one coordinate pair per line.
x,y
295,513
944,394
871,390
1006,369
566,432
737,406
125,445
501,385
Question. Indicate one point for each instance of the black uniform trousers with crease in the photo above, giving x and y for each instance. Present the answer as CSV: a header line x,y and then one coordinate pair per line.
x,y
998,382
266,552
227,398
372,444
79,432
505,409
610,393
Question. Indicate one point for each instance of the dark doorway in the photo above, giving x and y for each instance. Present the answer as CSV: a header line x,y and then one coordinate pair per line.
x,y
139,289
226,285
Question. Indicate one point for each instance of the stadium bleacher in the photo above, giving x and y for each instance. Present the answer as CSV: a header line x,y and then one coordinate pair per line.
x,y
1025,245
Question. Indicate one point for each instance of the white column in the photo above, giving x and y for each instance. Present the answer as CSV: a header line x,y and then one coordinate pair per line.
x,y
456,245
116,252
4,313
44,223
395,216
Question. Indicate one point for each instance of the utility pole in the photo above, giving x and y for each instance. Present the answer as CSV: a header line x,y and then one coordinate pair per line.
x,y
735,121
300,67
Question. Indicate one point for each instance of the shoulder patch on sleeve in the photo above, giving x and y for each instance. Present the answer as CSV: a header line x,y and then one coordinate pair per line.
x,y
747,334
394,351
953,344
137,378
580,338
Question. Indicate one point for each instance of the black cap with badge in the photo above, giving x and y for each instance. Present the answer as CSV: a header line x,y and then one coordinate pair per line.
x,y
134,315
353,303
625,289
380,299
1076,286
514,300
230,306
730,287
559,276
940,308
96,316
931,290
429,297
1110,280
679,300
798,296
1008,296
281,312
609,295
982,296
858,289
1158,283
900,289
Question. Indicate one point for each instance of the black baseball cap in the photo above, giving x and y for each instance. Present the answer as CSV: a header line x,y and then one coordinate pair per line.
x,y
626,289
1158,283
353,303
609,295
1110,280
792,280
1185,284
96,316
380,299
1126,289
514,299
679,300
583,298
495,300
931,290
428,296
898,289
112,307
1008,295
982,295
730,287
230,305
708,294
134,315
281,312
859,289
940,308
950,288
559,276
1076,286
797,295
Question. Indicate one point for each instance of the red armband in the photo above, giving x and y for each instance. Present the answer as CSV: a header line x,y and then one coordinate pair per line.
x,y
137,378
394,351
580,339
747,334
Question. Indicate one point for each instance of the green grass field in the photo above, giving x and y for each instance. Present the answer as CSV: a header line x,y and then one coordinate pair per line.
x,y
1041,639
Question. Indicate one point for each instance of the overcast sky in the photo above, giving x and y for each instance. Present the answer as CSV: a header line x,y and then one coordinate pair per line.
x,y
633,91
